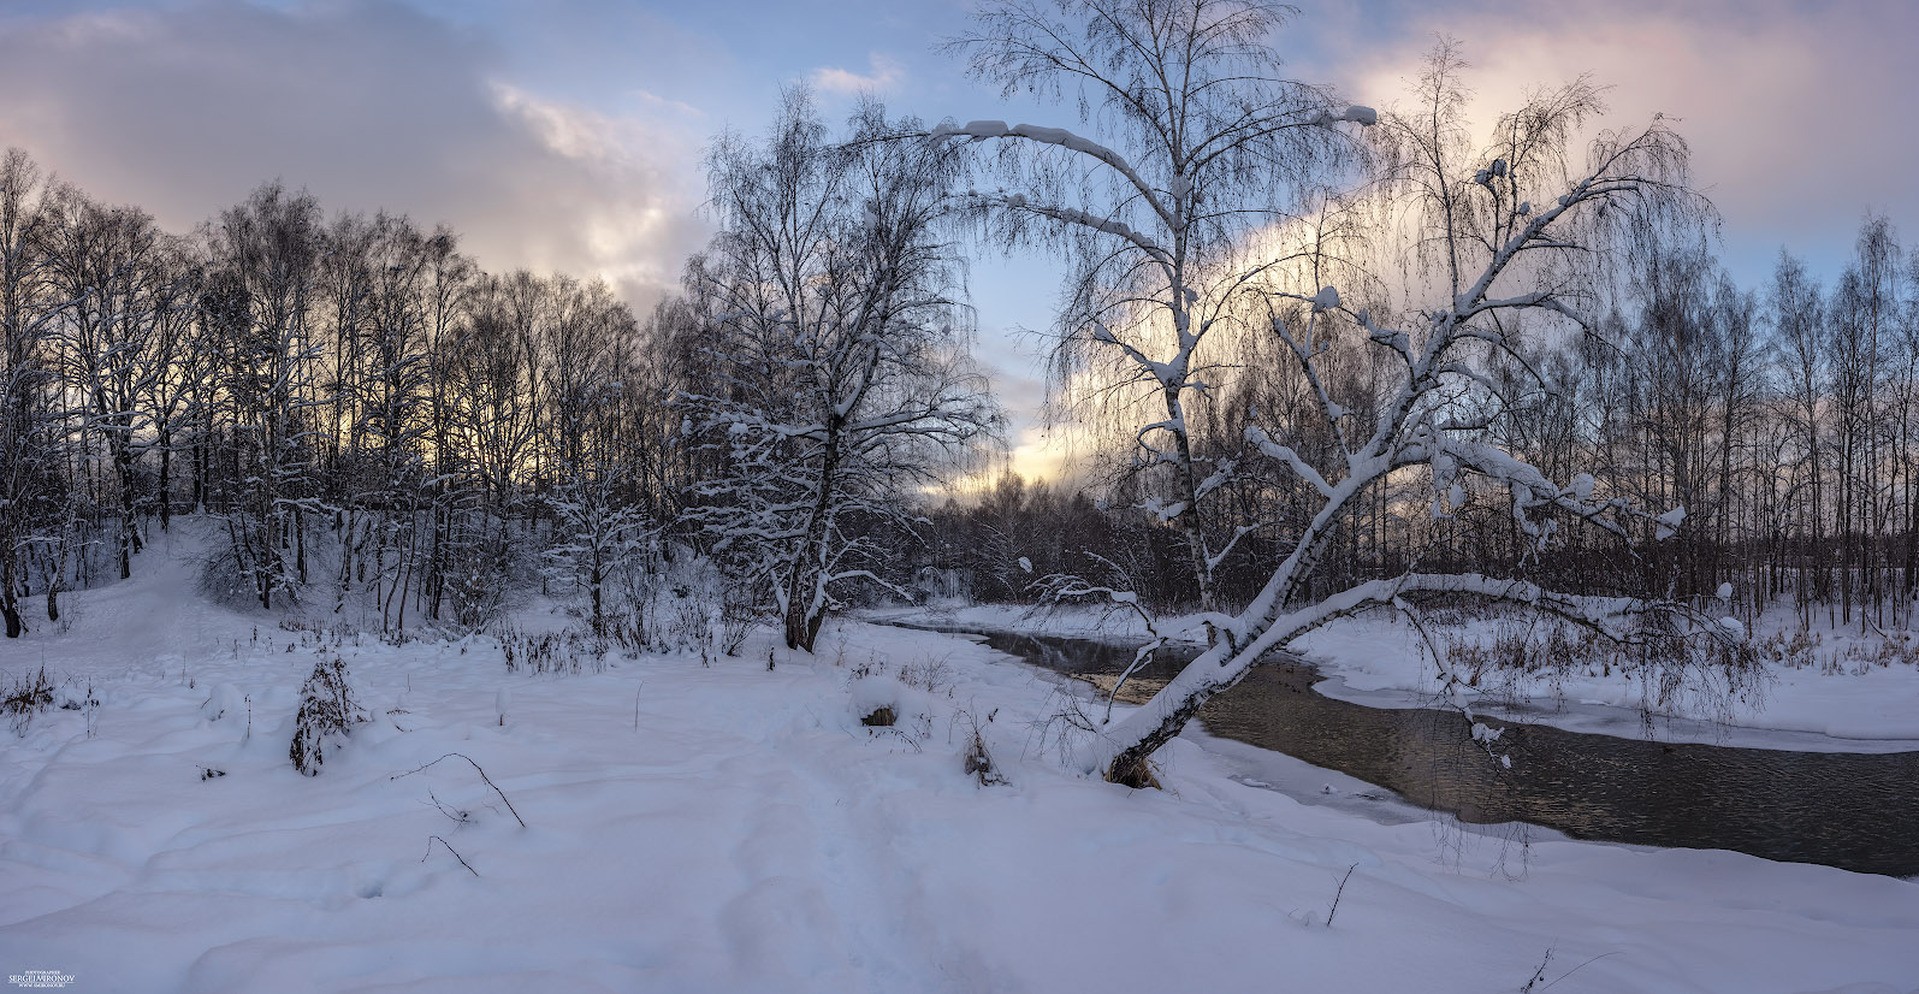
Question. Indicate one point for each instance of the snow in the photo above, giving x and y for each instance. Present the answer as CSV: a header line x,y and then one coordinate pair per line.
x,y
1377,660
733,829
1356,114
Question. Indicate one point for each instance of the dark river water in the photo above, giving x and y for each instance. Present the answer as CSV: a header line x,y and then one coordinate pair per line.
x,y
1858,811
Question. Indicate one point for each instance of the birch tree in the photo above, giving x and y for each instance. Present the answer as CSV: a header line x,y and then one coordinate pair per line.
x,y
839,376
1205,150
1798,308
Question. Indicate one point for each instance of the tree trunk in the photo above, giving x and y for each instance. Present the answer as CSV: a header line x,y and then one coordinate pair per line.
x,y
1132,767
804,614
9,597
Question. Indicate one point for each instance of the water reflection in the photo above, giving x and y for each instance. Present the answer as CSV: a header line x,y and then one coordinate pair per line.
x,y
1852,810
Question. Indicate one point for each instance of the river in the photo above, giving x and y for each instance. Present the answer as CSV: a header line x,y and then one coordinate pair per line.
x,y
1858,811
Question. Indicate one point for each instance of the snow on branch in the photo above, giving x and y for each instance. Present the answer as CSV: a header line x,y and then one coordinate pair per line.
x,y
1062,138
1308,365
1533,493
1257,437
1066,588
1356,114
1075,216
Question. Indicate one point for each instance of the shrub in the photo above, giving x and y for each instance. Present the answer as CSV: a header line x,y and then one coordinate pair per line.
x,y
25,697
327,709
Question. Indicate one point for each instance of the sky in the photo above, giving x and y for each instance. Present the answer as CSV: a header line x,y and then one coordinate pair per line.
x,y
567,134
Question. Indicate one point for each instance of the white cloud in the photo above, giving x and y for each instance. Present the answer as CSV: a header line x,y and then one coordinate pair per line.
x,y
883,73
625,212
681,107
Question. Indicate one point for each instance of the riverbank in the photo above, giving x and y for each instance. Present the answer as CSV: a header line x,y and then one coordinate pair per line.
x,y
1846,693
735,828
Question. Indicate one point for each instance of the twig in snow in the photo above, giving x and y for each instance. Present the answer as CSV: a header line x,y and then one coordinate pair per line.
x,y
1539,973
1334,910
1568,973
459,815
449,848
476,769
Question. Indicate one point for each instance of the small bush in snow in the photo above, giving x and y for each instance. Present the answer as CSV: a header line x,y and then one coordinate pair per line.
x,y
979,762
570,652
738,615
25,697
929,675
327,709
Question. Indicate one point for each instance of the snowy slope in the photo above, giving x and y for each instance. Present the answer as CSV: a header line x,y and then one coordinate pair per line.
x,y
734,829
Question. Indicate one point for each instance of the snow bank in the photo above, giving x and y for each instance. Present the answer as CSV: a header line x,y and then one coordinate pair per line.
x,y
735,829
1377,660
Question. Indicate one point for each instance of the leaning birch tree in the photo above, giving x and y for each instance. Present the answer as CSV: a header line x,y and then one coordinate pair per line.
x,y
1510,231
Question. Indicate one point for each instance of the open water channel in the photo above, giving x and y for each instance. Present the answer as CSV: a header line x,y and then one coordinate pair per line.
x,y
1859,811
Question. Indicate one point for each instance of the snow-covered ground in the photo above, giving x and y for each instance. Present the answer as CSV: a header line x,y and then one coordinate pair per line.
x,y
735,829
1845,701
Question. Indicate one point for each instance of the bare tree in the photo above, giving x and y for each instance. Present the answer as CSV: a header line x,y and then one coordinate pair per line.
x,y
1179,225
117,274
1797,318
27,312
267,252
450,281
839,375
1872,318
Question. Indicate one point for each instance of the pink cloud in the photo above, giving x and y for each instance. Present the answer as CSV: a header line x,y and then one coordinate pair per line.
x,y
1799,116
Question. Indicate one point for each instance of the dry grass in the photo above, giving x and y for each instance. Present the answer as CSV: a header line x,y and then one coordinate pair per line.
x,y
1138,690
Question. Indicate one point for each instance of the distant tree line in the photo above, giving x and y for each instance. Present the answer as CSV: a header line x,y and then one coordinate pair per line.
x,y
354,382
